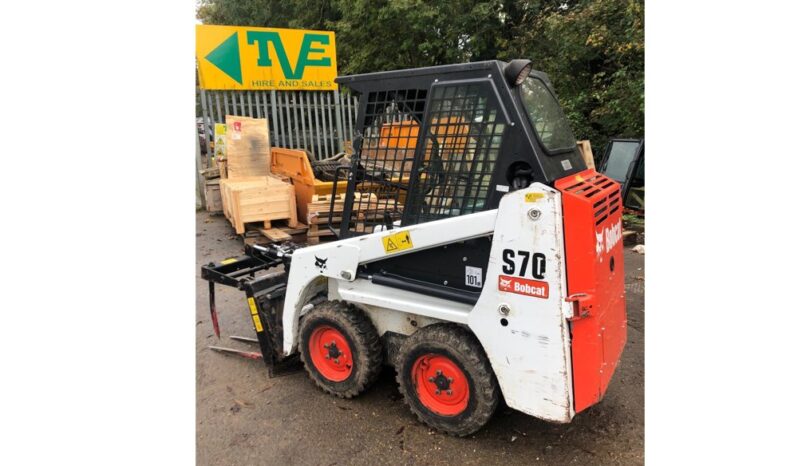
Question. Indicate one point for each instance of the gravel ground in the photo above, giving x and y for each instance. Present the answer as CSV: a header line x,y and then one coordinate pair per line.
x,y
245,418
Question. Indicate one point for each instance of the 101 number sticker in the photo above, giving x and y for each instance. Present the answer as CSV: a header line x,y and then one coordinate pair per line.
x,y
473,276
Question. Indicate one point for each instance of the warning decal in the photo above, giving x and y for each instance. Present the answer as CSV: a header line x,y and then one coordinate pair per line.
x,y
397,242
253,309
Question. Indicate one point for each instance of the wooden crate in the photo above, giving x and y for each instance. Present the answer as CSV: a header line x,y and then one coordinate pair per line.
x,y
258,199
247,146
213,196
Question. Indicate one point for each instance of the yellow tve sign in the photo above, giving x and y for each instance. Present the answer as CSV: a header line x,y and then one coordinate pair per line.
x,y
397,242
235,57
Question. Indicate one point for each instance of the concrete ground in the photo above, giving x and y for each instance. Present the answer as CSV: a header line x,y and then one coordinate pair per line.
x,y
245,418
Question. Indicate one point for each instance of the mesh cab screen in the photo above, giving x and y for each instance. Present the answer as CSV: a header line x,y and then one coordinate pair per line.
x,y
423,155
456,158
384,161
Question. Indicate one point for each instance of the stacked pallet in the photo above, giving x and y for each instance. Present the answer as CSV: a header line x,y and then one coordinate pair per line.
x,y
319,215
366,206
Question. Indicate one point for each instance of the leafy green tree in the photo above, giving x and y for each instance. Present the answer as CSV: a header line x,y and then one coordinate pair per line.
x,y
594,52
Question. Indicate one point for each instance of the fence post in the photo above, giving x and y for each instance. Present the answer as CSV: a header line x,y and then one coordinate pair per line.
x,y
274,123
200,183
339,121
207,122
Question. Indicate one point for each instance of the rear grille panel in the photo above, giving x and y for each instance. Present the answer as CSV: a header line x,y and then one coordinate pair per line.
x,y
604,192
592,220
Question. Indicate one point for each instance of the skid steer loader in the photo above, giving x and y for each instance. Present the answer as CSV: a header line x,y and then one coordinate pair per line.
x,y
480,259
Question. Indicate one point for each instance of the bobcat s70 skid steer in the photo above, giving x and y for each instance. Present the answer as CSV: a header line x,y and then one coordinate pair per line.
x,y
476,254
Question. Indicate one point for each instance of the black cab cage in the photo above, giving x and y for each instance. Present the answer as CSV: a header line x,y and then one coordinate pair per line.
x,y
443,141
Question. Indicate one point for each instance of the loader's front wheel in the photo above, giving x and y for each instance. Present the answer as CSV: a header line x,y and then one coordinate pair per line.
x,y
446,379
340,348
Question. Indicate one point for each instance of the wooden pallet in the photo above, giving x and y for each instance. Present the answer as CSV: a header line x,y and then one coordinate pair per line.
x,y
319,214
279,232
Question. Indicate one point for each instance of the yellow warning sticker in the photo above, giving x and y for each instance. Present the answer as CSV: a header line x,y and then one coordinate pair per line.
x,y
229,261
252,308
397,242
258,325
533,197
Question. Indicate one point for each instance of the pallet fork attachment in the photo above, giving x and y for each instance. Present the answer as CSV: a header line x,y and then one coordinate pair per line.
x,y
265,296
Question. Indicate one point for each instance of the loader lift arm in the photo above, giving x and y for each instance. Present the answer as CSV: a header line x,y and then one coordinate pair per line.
x,y
265,296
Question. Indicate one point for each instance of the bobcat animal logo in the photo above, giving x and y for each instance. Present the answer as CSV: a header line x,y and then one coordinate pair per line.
x,y
599,243
321,263
504,283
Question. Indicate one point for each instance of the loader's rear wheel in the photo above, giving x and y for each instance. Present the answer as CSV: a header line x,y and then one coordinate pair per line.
x,y
340,348
446,379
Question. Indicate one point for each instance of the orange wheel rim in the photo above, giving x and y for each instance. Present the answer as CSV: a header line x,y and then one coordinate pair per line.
x,y
441,385
330,353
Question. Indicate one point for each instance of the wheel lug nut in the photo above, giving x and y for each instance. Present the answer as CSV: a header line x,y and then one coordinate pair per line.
x,y
432,379
326,356
326,345
449,392
449,379
437,392
438,372
336,360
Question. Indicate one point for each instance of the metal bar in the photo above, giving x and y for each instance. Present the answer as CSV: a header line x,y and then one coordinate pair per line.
x,y
198,167
212,126
265,110
257,103
275,120
355,109
344,231
284,120
339,125
226,109
317,149
244,339
289,126
349,116
323,125
330,121
295,96
243,105
311,132
206,121
243,354
302,119
218,107
212,299
281,114
249,102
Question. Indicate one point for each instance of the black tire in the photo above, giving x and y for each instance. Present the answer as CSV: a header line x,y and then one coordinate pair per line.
x,y
460,346
361,337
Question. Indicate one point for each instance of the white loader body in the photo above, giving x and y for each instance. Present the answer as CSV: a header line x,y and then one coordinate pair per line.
x,y
520,318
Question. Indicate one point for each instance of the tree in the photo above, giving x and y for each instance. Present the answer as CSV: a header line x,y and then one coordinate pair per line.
x,y
594,53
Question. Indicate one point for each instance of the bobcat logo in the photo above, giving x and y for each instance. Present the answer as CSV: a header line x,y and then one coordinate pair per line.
x,y
599,243
321,263
504,283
